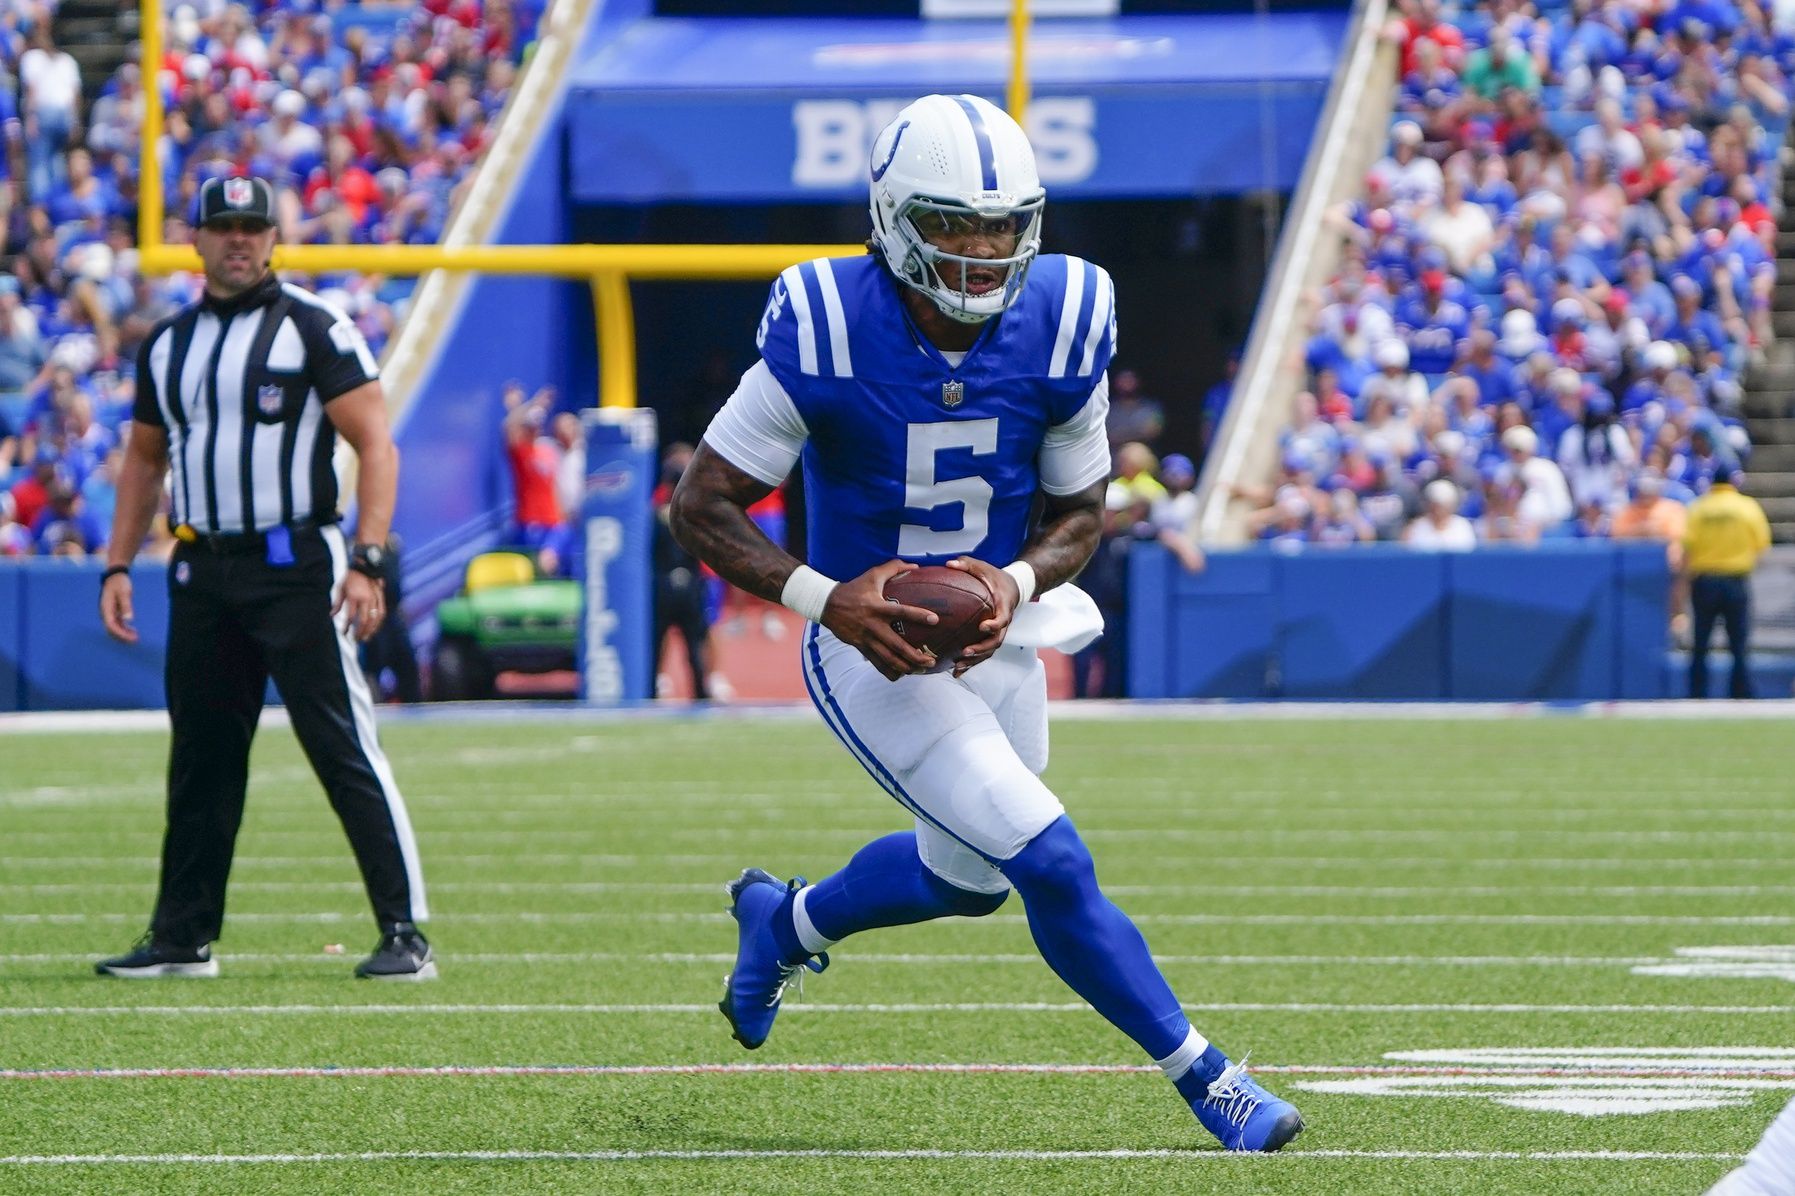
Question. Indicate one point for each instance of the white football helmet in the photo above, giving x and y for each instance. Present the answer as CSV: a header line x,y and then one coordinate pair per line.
x,y
948,166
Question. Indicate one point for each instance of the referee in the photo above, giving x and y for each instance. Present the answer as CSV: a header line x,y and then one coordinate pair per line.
x,y
242,395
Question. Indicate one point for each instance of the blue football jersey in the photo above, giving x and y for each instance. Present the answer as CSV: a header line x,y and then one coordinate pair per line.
x,y
911,457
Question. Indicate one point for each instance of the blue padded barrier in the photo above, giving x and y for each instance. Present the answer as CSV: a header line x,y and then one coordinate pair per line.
x,y
1348,631
1572,620
69,662
12,638
1532,624
1641,630
1227,652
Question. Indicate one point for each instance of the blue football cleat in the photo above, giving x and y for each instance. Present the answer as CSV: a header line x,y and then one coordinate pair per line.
x,y
752,992
1233,1107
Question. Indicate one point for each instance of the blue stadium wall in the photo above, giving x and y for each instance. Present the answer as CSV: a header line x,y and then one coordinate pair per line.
x,y
1560,621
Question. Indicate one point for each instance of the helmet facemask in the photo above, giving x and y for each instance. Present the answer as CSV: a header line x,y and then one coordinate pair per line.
x,y
949,279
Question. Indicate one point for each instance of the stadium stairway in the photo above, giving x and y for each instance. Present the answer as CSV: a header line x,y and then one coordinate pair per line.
x,y
98,34
1770,385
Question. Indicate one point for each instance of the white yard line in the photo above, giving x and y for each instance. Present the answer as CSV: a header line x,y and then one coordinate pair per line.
x,y
1136,890
537,917
348,1009
1221,1158
782,836
458,959
576,1071
1382,864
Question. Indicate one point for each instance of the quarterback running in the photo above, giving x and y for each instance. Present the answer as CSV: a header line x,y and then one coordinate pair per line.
x,y
946,394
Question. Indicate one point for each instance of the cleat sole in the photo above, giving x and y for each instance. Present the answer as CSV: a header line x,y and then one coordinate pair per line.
x,y
163,971
735,1031
427,972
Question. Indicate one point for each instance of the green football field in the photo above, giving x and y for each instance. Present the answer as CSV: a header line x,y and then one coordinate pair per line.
x,y
1510,955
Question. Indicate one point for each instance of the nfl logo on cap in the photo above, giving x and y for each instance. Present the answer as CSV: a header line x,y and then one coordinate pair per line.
x,y
239,193
268,399
953,393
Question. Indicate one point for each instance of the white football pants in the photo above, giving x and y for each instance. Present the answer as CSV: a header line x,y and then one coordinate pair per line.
x,y
961,755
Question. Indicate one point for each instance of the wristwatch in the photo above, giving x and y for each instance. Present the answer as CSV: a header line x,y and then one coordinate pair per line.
x,y
369,559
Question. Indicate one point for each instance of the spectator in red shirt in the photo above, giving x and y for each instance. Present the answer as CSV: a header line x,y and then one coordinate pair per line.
x,y
32,495
1420,21
354,187
1569,345
534,459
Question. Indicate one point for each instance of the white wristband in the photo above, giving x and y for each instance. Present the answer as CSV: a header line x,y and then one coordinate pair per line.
x,y
807,592
1024,573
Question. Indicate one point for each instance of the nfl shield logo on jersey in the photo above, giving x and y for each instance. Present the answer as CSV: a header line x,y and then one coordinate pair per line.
x,y
268,400
953,393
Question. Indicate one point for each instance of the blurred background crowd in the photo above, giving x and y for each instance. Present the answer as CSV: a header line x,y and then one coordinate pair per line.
x,y
1555,278
368,117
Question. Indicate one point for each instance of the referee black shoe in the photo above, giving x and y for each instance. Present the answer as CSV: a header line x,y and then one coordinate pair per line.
x,y
152,959
403,954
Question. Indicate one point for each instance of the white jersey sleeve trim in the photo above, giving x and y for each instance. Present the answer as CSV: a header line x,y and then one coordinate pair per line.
x,y
1075,454
759,430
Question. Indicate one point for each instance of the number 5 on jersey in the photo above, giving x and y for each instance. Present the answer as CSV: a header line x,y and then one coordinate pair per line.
x,y
923,491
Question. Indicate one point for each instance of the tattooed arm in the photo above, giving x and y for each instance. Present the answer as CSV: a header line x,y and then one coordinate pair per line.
x,y
709,518
1067,538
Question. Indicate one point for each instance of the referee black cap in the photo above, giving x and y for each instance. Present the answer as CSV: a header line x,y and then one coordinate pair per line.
x,y
236,199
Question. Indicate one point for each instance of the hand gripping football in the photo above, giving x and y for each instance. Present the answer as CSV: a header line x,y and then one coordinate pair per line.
x,y
960,600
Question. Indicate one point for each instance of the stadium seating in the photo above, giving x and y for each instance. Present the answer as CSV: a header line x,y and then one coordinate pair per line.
x,y
369,117
1580,226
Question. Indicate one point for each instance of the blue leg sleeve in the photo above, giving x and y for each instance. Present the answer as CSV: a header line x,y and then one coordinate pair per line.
x,y
1092,945
887,884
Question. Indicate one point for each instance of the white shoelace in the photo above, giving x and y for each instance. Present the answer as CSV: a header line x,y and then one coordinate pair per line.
x,y
1233,1098
790,976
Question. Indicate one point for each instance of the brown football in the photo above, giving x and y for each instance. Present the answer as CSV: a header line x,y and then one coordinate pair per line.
x,y
960,600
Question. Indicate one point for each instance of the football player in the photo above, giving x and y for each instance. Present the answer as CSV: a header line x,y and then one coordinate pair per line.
x,y
934,390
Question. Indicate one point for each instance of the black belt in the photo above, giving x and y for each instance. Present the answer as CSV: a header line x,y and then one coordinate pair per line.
x,y
233,543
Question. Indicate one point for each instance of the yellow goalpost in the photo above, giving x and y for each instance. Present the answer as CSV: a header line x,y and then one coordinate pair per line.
x,y
608,268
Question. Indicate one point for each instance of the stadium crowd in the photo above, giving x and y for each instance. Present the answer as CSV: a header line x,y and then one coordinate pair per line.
x,y
1552,282
367,117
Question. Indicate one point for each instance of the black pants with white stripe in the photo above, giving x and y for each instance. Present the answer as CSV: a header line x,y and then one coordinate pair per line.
x,y
235,621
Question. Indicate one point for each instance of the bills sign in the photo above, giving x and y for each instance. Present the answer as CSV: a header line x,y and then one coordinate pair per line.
x,y
834,138
616,659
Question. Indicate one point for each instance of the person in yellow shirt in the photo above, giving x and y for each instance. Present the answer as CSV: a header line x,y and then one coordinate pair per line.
x,y
1727,533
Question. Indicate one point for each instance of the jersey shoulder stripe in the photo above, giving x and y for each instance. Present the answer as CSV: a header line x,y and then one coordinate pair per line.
x,y
1102,321
804,330
836,319
1085,331
790,287
1071,303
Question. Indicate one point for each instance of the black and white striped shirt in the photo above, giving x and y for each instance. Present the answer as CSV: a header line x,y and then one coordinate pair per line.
x,y
240,386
